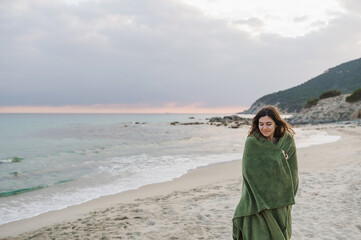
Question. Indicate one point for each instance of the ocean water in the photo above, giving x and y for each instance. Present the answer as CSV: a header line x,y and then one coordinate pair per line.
x,y
51,161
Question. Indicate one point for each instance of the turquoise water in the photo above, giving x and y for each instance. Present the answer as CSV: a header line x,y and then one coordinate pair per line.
x,y
51,161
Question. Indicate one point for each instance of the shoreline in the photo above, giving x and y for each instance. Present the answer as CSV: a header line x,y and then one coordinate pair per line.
x,y
203,175
219,175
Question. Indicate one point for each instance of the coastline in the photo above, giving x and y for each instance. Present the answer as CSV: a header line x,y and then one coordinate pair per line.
x,y
194,178
201,202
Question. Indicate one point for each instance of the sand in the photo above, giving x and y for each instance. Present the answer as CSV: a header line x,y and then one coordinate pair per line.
x,y
200,204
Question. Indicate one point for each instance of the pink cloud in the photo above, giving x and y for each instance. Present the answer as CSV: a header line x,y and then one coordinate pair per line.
x,y
123,108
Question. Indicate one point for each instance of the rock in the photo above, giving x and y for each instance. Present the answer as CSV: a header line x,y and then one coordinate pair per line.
x,y
233,121
187,123
215,119
217,124
235,118
192,123
234,125
328,110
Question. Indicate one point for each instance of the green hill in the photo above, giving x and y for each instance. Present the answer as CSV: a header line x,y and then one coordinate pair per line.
x,y
345,78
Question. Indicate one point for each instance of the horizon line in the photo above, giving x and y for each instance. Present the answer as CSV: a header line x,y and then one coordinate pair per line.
x,y
139,108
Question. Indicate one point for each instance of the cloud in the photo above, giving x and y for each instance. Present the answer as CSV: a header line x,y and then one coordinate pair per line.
x,y
353,6
301,19
253,22
129,52
318,24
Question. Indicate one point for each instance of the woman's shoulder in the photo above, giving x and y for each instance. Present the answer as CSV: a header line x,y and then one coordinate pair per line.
x,y
288,135
255,139
252,138
288,139
256,136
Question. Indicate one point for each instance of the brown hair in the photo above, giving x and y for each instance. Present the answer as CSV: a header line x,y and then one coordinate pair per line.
x,y
272,112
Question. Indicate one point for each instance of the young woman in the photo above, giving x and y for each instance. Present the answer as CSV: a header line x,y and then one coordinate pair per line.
x,y
270,180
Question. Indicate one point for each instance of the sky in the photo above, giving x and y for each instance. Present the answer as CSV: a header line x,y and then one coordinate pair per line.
x,y
206,56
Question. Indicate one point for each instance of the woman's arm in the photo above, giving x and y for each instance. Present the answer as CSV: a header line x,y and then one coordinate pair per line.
x,y
292,162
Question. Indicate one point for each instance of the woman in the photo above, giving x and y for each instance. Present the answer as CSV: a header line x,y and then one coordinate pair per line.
x,y
270,180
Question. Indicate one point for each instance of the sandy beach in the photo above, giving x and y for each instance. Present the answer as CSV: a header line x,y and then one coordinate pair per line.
x,y
200,204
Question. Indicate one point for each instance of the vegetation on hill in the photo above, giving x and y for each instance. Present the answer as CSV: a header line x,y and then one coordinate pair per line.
x,y
328,94
345,77
311,102
355,96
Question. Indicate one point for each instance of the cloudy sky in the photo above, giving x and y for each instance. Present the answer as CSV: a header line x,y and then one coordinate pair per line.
x,y
166,55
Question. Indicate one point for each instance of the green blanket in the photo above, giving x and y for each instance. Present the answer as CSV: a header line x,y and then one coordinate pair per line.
x,y
270,176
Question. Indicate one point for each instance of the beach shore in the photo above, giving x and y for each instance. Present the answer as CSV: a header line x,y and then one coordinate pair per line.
x,y
200,204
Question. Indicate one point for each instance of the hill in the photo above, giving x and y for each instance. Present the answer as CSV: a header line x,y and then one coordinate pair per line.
x,y
345,77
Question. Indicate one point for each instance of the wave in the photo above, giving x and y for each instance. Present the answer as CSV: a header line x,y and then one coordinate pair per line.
x,y
11,160
23,190
30,189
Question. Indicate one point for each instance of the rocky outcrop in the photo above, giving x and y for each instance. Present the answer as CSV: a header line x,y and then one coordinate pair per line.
x,y
186,123
233,121
328,110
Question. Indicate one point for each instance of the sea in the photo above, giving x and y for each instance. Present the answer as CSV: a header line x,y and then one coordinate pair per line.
x,y
52,161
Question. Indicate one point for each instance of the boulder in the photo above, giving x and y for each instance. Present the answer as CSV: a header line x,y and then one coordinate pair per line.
x,y
234,125
215,119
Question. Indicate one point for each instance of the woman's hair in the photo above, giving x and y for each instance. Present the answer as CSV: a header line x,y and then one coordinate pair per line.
x,y
272,112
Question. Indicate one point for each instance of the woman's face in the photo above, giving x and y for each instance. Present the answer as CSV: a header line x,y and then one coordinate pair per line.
x,y
267,127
